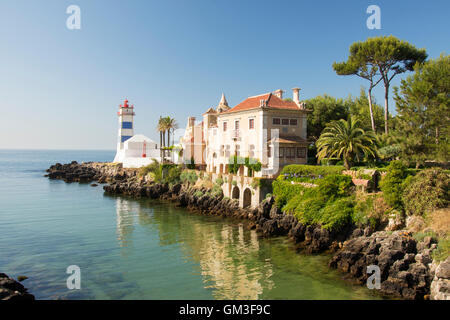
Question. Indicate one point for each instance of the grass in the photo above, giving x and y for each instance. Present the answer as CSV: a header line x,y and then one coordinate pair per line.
x,y
443,249
439,221
419,236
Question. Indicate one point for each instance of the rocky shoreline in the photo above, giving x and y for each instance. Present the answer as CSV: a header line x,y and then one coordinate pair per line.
x,y
13,290
407,270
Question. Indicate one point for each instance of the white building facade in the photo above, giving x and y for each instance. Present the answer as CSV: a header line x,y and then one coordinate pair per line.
x,y
265,128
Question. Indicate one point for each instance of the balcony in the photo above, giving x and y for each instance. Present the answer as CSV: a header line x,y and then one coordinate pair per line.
x,y
235,134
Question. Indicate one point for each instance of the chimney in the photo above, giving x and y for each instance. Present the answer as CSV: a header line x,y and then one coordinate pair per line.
x,y
279,93
295,95
191,122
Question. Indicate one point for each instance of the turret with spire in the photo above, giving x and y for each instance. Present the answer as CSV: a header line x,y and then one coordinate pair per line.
x,y
223,104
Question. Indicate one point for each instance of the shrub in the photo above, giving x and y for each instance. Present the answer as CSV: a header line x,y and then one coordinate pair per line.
x,y
189,177
219,181
427,191
253,165
284,191
173,175
308,209
392,184
216,191
370,209
152,167
292,204
234,163
337,214
331,215
336,185
198,194
328,205
305,173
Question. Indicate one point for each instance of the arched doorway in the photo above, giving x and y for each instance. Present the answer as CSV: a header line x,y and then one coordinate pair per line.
x,y
235,194
247,198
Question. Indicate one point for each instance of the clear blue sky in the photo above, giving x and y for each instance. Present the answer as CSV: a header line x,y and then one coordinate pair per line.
x,y
60,88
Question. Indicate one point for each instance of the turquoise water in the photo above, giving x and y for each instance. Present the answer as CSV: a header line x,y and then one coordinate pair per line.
x,y
130,249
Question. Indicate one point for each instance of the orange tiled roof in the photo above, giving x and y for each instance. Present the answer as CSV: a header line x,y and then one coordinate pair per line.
x,y
272,102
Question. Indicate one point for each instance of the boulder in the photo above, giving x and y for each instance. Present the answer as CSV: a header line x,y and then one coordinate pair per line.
x,y
12,290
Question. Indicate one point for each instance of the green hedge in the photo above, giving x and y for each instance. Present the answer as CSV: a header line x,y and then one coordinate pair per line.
x,y
329,205
285,191
298,172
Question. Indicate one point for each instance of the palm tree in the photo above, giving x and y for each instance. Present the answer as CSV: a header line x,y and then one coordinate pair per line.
x,y
162,127
346,139
171,124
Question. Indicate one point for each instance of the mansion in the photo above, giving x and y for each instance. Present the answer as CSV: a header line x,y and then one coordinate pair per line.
x,y
267,128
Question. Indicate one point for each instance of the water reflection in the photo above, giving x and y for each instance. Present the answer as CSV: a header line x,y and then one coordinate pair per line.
x,y
125,221
226,254
182,251
227,262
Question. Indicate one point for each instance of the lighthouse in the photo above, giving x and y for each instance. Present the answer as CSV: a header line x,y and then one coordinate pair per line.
x,y
126,128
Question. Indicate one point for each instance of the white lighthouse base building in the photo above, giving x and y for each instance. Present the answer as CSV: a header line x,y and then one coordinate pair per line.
x,y
137,151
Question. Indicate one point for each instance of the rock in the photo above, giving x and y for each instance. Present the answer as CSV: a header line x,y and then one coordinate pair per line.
x,y
440,289
368,231
424,259
275,212
440,286
414,223
404,272
22,278
12,290
265,208
395,223
357,233
94,185
443,270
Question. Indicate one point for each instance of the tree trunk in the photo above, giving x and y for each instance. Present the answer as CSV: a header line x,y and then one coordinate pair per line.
x,y
372,121
160,144
386,109
346,163
168,137
164,145
168,144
